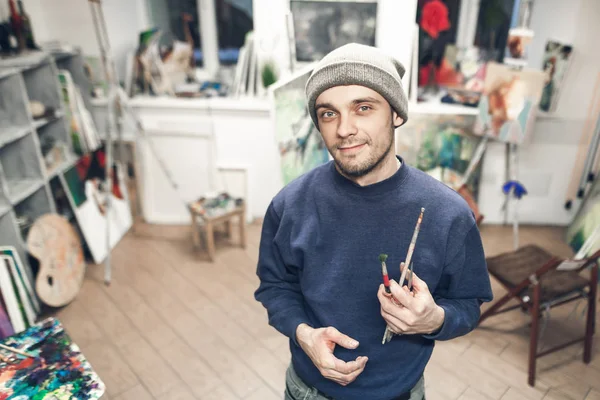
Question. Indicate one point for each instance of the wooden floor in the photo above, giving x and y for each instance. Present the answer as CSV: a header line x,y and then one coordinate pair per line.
x,y
173,326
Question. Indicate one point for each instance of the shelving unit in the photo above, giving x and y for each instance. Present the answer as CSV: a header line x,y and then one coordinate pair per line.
x,y
31,208
23,172
34,153
14,113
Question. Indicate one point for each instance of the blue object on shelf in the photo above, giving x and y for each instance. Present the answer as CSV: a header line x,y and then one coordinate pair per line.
x,y
517,188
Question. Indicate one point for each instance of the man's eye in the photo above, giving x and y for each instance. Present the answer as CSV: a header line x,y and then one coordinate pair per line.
x,y
364,108
327,114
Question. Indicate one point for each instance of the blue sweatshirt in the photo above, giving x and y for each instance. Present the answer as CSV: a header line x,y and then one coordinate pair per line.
x,y
318,264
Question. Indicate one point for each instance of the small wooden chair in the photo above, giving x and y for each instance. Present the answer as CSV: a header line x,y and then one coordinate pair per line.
x,y
208,224
530,276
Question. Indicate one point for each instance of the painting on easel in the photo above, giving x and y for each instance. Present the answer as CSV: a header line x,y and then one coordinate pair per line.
x,y
442,146
508,105
300,145
585,223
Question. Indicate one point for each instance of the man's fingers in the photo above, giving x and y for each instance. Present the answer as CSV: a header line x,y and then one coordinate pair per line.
x,y
401,295
349,367
418,284
395,321
343,378
343,340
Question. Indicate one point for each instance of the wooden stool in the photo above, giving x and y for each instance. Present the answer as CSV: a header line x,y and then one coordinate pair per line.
x,y
209,223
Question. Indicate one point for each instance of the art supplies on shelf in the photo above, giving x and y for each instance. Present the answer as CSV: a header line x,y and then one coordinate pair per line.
x,y
215,206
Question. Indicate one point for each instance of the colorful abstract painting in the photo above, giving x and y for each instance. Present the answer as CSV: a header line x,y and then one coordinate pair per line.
x,y
585,224
440,145
508,105
300,145
59,370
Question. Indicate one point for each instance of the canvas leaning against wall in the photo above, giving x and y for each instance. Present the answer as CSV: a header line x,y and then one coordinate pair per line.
x,y
300,145
585,224
87,197
442,146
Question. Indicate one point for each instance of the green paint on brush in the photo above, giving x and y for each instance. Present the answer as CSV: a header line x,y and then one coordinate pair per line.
x,y
383,257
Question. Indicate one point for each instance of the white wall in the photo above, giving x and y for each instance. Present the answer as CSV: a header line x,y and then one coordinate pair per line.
x,y
71,21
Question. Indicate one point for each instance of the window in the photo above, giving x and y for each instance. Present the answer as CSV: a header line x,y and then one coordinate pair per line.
x,y
179,18
217,28
234,21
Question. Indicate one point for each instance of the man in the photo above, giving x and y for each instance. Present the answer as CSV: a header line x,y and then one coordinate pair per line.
x,y
320,277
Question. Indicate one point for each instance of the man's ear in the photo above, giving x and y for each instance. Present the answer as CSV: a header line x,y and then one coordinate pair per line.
x,y
396,119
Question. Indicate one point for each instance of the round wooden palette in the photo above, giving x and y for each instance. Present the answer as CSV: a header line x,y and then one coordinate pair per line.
x,y
55,243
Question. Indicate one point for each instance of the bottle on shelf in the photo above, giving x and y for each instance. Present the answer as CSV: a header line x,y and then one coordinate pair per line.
x,y
16,24
27,30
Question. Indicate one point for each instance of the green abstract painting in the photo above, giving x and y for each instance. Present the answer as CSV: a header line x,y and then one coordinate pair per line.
x,y
300,145
585,223
440,145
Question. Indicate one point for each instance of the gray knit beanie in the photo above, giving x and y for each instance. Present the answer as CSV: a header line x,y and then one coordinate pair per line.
x,y
357,64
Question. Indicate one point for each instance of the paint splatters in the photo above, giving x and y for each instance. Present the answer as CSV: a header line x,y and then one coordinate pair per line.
x,y
59,371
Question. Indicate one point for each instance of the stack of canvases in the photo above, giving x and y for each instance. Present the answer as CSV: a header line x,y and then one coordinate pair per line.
x,y
19,306
83,130
247,80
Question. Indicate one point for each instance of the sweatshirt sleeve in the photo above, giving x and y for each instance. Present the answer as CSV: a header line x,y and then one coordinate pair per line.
x,y
279,289
466,285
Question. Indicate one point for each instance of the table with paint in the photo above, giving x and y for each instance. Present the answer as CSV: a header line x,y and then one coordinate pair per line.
x,y
43,363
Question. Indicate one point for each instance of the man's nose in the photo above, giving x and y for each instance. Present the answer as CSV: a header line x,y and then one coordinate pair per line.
x,y
346,127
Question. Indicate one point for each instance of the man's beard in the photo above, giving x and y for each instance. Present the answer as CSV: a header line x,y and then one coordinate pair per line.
x,y
367,166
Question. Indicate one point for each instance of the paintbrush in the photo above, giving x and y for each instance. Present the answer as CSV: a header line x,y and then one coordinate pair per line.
x,y
17,351
384,272
388,292
411,248
388,334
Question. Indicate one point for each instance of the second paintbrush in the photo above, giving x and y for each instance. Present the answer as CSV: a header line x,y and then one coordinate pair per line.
x,y
411,248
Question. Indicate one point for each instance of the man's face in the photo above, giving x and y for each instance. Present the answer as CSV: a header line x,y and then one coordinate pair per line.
x,y
357,125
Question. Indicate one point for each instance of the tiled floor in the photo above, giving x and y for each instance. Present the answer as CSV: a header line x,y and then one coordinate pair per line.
x,y
173,326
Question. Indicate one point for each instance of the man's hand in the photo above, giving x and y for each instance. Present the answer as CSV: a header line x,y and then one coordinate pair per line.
x,y
318,344
410,312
